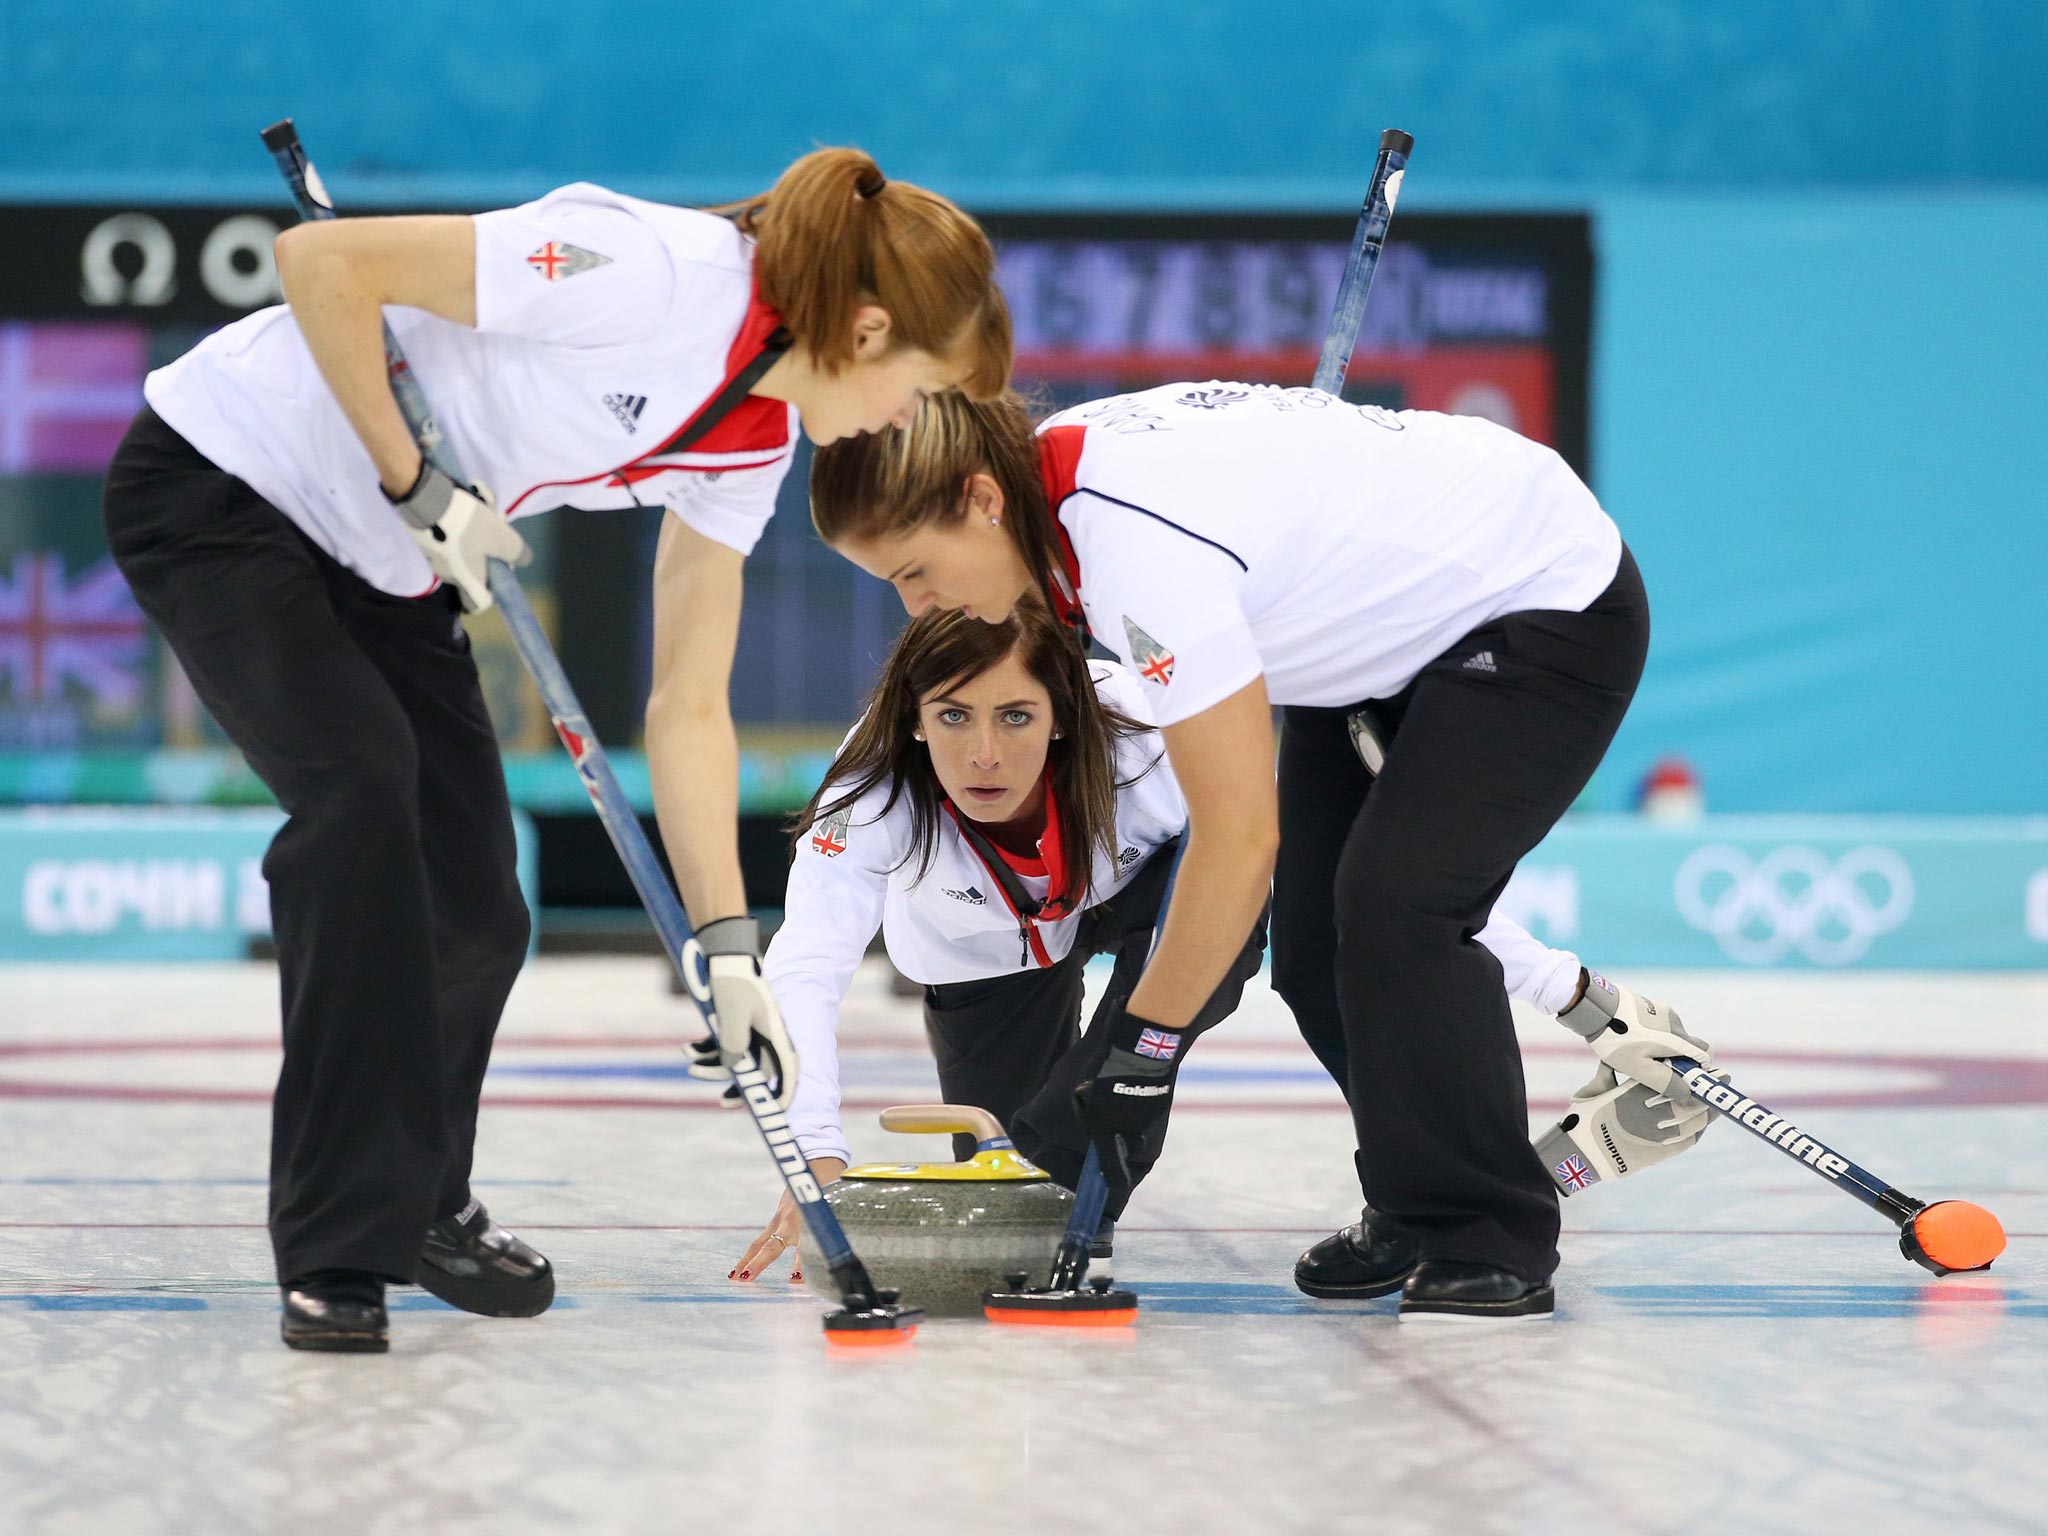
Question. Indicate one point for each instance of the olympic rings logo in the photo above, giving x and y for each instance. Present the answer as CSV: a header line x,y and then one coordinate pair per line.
x,y
1793,900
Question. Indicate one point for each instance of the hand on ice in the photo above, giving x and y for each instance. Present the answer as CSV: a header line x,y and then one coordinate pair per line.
x,y
783,1234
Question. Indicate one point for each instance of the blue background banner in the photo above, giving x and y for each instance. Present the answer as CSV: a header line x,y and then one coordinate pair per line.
x,y
1813,892
148,884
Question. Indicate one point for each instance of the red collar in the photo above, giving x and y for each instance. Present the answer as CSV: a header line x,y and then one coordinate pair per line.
x,y
1059,466
1051,863
752,425
755,422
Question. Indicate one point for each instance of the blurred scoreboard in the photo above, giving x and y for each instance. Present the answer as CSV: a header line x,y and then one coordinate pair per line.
x,y
1478,314
1482,316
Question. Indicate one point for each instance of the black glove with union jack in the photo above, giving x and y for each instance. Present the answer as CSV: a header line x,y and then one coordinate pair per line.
x,y
1125,1105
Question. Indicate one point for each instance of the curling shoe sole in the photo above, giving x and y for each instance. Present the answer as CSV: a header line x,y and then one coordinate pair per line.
x,y
314,1322
1444,1290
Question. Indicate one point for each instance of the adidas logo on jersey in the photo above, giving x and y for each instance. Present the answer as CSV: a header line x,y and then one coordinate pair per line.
x,y
627,408
1483,662
971,896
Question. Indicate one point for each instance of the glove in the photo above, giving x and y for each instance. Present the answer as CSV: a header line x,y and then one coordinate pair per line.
x,y
747,1019
1130,1094
706,1065
460,532
1617,1128
703,1062
1633,1036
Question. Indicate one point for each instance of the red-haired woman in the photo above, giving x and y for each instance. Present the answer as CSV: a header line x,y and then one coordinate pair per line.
x,y
1240,546
308,567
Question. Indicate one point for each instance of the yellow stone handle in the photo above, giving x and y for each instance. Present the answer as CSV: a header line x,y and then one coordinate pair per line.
x,y
942,1120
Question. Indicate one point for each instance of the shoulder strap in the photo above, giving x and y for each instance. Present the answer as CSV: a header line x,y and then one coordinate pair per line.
x,y
720,405
1022,902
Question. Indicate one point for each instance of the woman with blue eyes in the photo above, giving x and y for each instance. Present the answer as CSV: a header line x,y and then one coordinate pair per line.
x,y
1000,814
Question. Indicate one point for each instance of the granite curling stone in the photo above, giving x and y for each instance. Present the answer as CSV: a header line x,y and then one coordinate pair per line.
x,y
942,1233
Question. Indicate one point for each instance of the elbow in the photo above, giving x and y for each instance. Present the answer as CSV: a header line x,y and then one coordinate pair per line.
x,y
1252,847
672,708
295,250
1265,851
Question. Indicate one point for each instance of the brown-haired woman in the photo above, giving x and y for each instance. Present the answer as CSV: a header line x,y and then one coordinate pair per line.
x,y
1240,546
275,519
1001,813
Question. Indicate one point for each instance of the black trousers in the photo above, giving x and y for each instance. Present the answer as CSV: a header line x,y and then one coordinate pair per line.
x,y
1013,1045
400,925
1381,886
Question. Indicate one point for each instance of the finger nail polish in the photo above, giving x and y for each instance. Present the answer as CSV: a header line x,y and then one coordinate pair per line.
x,y
746,1274
732,1274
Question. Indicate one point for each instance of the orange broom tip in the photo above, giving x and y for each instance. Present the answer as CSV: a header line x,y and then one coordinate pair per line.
x,y
1959,1235
869,1338
1044,1319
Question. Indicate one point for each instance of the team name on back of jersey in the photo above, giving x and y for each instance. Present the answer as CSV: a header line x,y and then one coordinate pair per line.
x,y
627,409
1285,399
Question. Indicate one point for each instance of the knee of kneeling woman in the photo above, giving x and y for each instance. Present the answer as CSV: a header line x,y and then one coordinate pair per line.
x,y
1060,1161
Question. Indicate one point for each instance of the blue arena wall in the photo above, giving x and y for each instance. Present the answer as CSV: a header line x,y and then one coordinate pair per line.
x,y
1819,368
1030,101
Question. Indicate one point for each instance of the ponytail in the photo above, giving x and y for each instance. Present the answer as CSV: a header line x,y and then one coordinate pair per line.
x,y
835,233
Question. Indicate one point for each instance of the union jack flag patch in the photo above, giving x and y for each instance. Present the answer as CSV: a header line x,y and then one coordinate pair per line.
x,y
829,838
557,260
1153,660
1573,1173
1160,1044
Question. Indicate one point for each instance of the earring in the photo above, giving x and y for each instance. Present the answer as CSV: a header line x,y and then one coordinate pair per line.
x,y
917,735
995,522
1056,735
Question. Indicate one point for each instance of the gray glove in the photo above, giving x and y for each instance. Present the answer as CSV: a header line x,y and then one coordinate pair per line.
x,y
459,529
1617,1128
1632,1035
747,1018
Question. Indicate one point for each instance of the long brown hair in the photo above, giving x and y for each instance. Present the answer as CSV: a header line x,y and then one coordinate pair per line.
x,y
833,233
943,647
892,482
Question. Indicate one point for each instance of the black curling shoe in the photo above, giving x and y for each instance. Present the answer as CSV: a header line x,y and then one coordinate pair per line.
x,y
1455,1288
1372,1258
336,1312
471,1262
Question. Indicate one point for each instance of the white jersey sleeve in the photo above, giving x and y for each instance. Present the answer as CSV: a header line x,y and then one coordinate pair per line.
x,y
838,884
734,507
1150,809
1529,968
574,268
1169,604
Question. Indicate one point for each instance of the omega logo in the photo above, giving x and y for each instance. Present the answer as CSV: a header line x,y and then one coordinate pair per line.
x,y
132,259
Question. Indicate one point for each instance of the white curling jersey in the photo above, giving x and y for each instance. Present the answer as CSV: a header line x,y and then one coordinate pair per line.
x,y
604,324
1219,531
849,877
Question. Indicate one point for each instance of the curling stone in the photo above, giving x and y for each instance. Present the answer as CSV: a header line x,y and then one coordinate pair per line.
x,y
943,1233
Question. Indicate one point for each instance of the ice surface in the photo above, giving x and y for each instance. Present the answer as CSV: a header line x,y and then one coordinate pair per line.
x,y
1737,1346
